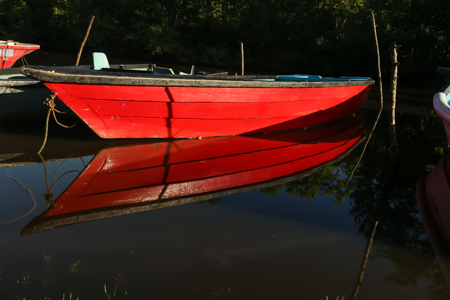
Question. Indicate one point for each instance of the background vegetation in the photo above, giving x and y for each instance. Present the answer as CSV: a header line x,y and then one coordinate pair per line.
x,y
326,37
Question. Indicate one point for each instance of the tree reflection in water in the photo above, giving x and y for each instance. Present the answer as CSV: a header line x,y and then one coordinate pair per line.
x,y
383,190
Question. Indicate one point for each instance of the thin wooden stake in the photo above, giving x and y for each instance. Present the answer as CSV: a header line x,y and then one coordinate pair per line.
x,y
394,146
84,41
363,265
381,99
242,57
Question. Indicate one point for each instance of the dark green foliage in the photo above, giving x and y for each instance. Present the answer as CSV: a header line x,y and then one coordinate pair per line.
x,y
324,37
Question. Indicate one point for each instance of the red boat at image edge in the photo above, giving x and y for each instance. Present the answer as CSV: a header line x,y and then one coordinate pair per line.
x,y
140,104
141,177
11,51
433,199
442,108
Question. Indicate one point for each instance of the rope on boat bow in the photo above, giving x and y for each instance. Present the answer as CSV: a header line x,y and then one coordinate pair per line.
x,y
50,102
24,61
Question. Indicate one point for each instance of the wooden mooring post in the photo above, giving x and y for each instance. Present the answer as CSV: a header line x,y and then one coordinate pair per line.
x,y
242,58
362,267
84,41
381,100
394,145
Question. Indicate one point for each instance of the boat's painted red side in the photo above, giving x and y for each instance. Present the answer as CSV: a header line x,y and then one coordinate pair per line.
x,y
436,193
9,54
433,197
172,170
185,112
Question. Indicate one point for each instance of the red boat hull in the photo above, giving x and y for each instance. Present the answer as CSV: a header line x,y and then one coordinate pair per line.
x,y
433,197
185,112
9,54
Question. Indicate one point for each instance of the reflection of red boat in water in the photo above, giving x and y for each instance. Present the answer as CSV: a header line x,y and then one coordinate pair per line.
x,y
433,195
135,178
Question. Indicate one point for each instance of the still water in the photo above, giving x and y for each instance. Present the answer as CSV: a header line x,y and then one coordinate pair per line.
x,y
265,217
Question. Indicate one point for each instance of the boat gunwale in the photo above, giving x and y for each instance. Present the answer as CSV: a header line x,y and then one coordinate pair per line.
x,y
28,81
440,104
445,89
19,45
141,78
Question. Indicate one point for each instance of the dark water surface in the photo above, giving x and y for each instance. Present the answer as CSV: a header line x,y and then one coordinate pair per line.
x,y
302,238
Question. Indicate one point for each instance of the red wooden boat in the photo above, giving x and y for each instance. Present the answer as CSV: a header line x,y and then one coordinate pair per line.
x,y
11,51
441,106
433,197
139,104
135,178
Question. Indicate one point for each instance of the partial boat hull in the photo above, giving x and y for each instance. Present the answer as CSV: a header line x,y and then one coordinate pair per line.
x,y
442,108
22,98
10,52
433,196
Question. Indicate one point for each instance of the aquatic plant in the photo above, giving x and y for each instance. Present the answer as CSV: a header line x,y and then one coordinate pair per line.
x,y
119,278
46,282
113,297
63,298
23,280
74,267
221,293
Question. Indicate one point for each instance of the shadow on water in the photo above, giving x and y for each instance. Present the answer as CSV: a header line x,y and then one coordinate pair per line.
x,y
107,217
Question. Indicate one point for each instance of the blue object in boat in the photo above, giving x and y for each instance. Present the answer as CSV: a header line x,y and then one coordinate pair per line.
x,y
300,77
100,60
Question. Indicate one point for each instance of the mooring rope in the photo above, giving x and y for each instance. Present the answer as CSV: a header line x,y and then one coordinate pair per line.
x,y
30,211
49,195
24,61
50,102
